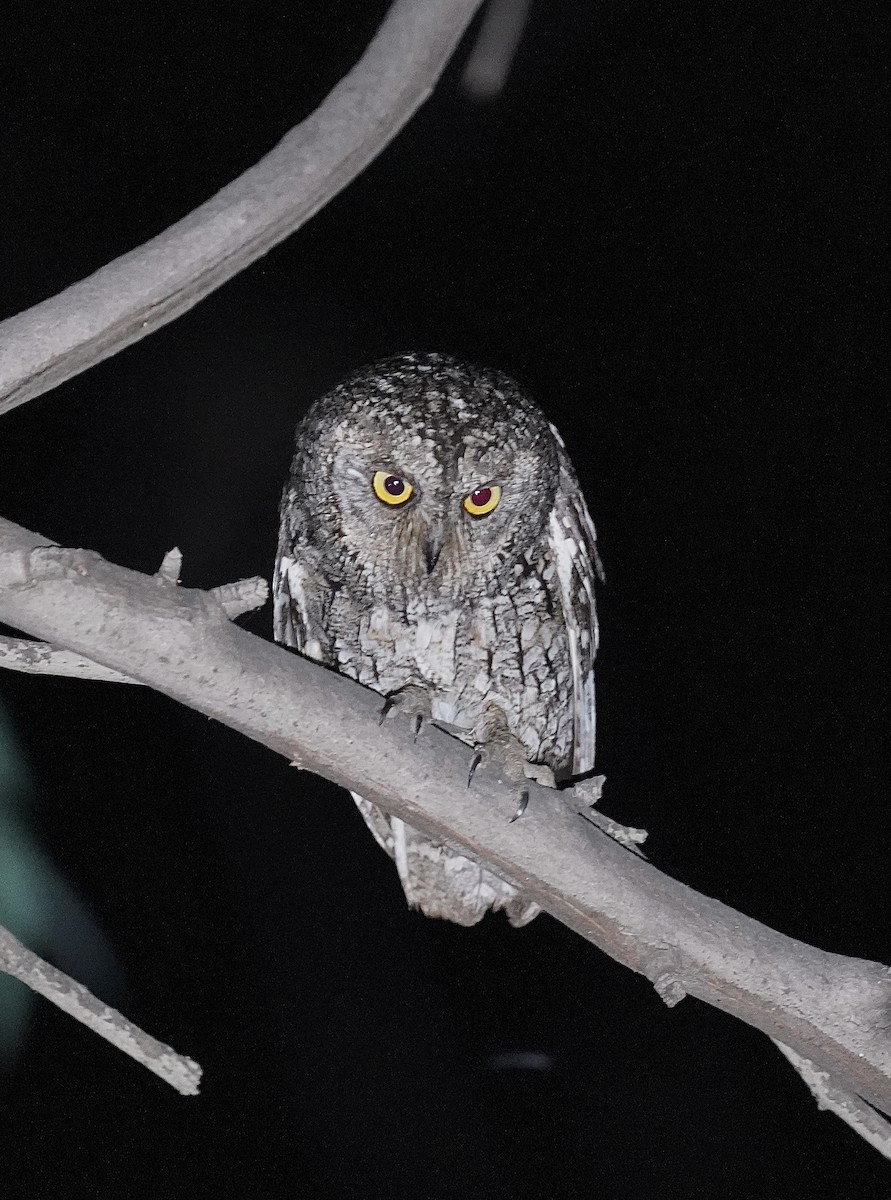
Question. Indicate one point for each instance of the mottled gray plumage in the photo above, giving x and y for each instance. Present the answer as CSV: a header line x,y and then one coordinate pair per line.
x,y
492,616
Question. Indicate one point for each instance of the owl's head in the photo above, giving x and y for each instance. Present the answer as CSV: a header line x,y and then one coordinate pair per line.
x,y
425,472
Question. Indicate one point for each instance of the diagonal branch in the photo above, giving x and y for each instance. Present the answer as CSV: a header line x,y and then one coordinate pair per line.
x,y
489,62
43,658
152,285
861,1117
177,1070
831,1010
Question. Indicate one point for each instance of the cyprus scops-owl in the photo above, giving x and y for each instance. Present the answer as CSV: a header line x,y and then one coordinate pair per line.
x,y
434,545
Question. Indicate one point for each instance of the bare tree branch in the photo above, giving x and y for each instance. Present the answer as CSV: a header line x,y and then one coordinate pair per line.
x,y
177,1070
861,1117
831,1010
43,658
152,285
829,1015
498,40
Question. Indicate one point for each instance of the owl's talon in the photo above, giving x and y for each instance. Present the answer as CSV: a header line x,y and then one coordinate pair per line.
x,y
474,763
413,701
521,807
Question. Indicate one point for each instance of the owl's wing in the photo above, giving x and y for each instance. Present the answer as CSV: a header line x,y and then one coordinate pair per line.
x,y
573,543
300,594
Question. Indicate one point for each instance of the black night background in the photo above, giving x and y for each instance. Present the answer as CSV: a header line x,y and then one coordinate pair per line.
x,y
666,226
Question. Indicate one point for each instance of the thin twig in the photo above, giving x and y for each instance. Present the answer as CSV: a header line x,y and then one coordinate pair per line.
x,y
72,997
861,1117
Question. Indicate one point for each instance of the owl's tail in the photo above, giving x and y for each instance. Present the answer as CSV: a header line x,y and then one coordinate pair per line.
x,y
440,880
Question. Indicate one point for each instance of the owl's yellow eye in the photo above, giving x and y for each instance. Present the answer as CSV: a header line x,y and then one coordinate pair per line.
x,y
483,500
391,489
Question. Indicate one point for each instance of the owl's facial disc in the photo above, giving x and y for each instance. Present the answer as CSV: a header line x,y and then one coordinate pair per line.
x,y
430,530
431,515
420,507
423,475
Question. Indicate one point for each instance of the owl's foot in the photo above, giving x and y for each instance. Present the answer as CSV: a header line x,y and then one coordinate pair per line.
x,y
495,745
411,701
510,755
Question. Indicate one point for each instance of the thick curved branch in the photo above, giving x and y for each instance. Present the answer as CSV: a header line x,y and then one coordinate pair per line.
x,y
143,290
833,1011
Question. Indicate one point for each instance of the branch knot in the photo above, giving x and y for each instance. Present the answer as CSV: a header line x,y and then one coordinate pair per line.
x,y
664,974
59,562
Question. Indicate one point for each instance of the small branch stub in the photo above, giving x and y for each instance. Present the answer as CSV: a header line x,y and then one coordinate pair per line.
x,y
669,988
588,792
171,566
241,597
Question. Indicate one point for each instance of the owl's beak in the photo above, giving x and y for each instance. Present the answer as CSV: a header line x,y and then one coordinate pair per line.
x,y
434,540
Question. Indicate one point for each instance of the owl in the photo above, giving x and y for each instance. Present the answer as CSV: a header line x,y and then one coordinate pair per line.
x,y
434,545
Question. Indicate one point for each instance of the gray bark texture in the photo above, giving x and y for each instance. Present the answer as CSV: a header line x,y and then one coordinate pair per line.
x,y
833,1011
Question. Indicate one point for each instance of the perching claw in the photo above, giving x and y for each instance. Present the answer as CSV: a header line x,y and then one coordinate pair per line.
x,y
521,807
411,700
474,763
